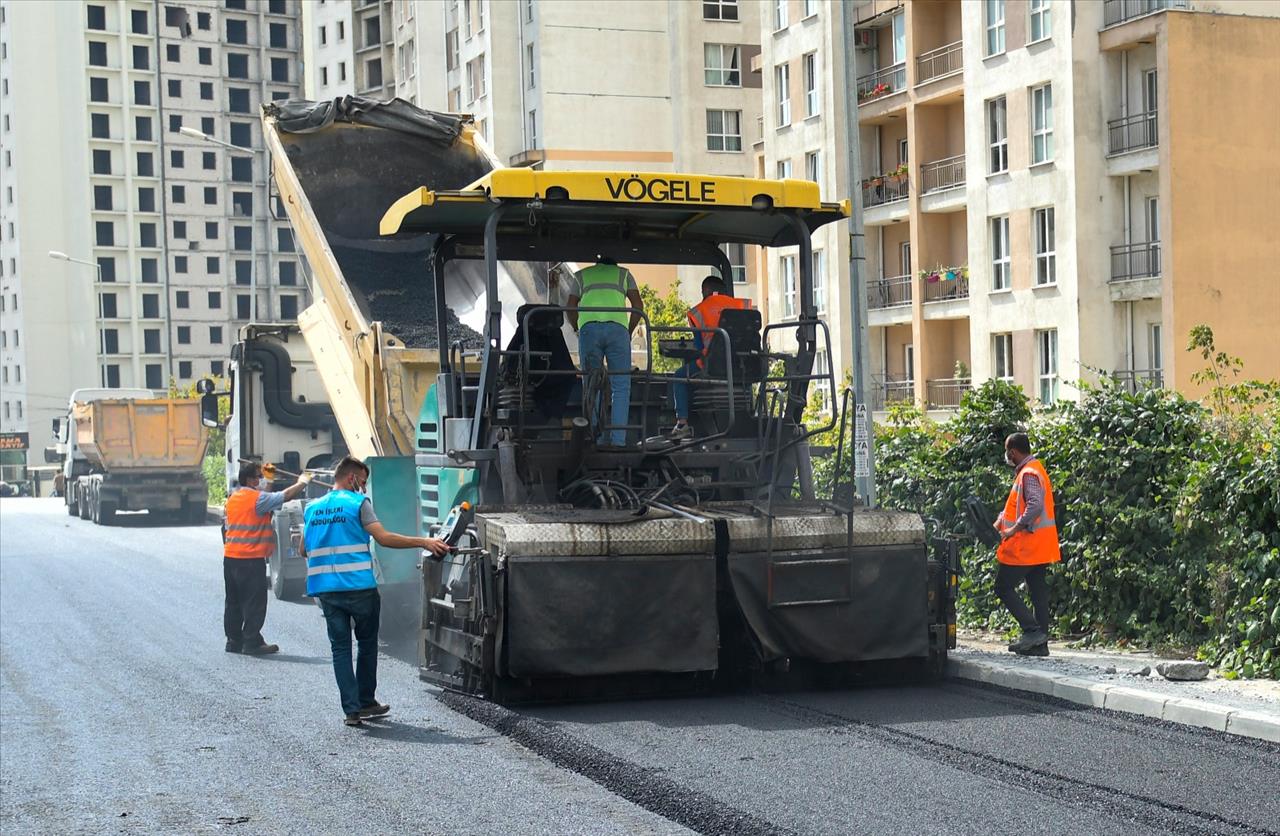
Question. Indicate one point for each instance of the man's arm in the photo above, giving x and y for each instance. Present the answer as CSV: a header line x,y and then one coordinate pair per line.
x,y
268,502
637,305
399,541
572,313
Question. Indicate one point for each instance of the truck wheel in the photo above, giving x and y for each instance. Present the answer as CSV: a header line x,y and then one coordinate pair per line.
x,y
72,511
83,503
193,513
106,513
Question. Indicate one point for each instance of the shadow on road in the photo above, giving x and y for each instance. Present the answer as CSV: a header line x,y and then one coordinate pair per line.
x,y
384,729
297,660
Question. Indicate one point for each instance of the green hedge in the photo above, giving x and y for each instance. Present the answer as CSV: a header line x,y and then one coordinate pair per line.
x,y
1168,514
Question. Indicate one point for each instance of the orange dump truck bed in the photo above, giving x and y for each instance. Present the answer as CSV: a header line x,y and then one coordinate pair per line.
x,y
159,434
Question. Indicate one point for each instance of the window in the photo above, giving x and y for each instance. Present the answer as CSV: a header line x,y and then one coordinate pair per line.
x,y
533,129
528,10
149,270
97,17
324,76
995,26
242,238
780,17
237,31
237,65
241,134
146,235
207,125
141,93
1041,22
242,204
182,299
138,22
106,269
324,36
819,282
1047,345
180,264
278,36
373,73
146,164
104,233
788,286
475,79
102,198
243,309
179,229
101,161
288,273
141,58
142,128
174,87
288,307
529,54
811,105
215,368
178,194
909,362
1041,124
998,135
215,334
204,53
150,306
724,130
173,53
284,240
737,255
822,386
342,30
98,90
342,71
1155,351
99,126
151,341
175,123
280,69
210,195
110,341
1046,260
97,53
899,23
146,199
721,65
154,373
111,376
1002,357
810,8
107,302
215,300
813,166
212,265
177,159
711,10
1000,253
211,230
209,161
184,335
782,87
184,369
784,169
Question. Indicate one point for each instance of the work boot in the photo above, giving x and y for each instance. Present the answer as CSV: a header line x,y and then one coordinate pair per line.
x,y
378,709
680,432
1038,650
1028,641
353,719
234,647
262,649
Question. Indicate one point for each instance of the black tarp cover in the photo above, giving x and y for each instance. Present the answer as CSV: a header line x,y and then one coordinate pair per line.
x,y
301,116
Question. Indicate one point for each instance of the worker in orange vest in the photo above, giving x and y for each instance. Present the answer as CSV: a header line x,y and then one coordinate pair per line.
x,y
1028,544
704,315
248,540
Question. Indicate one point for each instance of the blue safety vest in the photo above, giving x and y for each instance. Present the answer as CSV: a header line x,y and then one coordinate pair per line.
x,y
338,557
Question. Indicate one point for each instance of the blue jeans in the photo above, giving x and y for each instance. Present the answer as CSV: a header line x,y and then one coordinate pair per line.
x,y
608,342
345,612
680,391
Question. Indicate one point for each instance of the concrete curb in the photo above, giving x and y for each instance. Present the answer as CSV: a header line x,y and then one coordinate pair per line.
x,y
1188,712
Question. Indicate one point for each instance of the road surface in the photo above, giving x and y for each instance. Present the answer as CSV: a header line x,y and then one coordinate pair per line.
x,y
120,712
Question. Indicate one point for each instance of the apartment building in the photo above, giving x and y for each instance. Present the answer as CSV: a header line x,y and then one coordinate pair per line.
x,y
348,48
165,240
1021,214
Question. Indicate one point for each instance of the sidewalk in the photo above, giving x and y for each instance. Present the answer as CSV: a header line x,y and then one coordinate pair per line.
x,y
1124,681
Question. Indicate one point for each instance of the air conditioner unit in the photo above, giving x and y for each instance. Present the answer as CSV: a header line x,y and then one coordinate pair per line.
x,y
864,38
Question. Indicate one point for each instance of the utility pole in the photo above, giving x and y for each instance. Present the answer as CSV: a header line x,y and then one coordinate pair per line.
x,y
863,437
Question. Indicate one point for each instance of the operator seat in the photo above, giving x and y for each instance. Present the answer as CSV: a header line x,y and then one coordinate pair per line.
x,y
750,365
550,394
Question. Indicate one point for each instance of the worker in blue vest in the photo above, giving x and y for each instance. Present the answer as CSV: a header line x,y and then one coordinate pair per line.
x,y
604,337
335,539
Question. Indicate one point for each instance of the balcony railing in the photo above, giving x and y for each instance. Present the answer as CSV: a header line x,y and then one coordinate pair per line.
x,y
882,83
889,389
892,292
1118,11
1135,261
877,191
1137,380
945,393
936,63
1129,133
942,174
944,289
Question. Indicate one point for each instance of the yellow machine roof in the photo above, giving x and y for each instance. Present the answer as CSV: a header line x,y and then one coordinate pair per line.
x,y
660,205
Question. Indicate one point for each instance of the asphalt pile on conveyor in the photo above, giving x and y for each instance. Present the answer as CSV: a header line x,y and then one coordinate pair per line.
x,y
397,288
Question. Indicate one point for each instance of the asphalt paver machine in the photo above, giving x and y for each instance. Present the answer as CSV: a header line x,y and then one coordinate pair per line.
x,y
589,570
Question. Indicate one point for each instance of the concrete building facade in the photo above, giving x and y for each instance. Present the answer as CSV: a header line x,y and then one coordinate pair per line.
x,y
170,239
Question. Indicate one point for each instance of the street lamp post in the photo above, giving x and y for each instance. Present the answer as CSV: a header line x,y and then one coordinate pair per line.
x,y
61,256
253,246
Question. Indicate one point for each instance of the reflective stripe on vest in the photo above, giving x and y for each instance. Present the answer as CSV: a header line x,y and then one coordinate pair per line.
x,y
603,286
1039,544
248,534
336,542
706,314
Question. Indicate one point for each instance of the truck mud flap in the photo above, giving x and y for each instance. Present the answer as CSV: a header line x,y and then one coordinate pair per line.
x,y
836,604
588,616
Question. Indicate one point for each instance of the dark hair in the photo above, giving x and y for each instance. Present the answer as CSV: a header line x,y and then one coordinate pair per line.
x,y
605,259
1019,442
715,284
249,470
348,465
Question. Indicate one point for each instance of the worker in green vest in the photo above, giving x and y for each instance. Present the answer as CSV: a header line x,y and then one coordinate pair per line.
x,y
604,337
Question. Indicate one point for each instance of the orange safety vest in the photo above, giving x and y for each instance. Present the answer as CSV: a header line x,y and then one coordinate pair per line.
x,y
1039,544
706,314
248,533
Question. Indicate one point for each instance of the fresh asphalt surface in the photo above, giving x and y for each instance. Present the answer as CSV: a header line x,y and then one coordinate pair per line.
x,y
120,712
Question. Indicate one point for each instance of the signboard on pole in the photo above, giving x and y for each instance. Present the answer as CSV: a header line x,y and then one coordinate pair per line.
x,y
861,443
14,441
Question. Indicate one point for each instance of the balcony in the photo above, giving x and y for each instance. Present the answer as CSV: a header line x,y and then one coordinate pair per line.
x,y
945,284
1119,11
882,83
942,174
890,389
888,188
892,292
1131,133
1135,261
1134,381
945,393
940,62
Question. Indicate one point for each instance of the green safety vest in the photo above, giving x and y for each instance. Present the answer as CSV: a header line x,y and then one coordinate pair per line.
x,y
604,286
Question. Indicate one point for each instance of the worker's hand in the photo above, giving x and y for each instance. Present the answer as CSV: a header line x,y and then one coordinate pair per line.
x,y
437,547
1005,535
304,479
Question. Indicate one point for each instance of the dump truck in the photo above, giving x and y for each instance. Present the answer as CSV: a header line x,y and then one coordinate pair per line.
x,y
370,330
583,570
126,450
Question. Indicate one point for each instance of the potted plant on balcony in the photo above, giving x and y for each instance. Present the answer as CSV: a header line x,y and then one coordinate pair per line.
x,y
874,93
931,276
900,171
